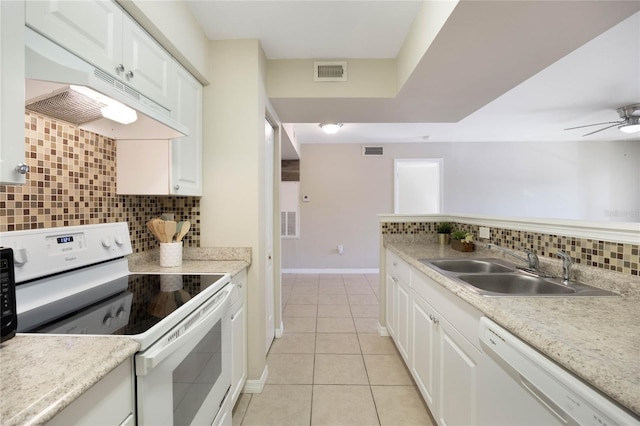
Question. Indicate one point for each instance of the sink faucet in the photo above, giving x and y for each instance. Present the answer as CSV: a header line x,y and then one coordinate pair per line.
x,y
531,259
566,266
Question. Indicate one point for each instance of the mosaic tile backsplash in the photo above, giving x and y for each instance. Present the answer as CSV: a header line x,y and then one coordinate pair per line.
x,y
72,181
624,258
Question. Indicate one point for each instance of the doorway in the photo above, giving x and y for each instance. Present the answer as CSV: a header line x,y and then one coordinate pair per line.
x,y
268,276
417,186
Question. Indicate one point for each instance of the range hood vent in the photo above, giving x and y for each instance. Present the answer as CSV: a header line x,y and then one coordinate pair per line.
x,y
50,70
372,151
330,71
67,105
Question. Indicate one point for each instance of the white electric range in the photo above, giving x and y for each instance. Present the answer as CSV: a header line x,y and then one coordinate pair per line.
x,y
75,280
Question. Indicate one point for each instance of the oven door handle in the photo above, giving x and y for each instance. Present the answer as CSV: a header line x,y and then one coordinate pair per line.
x,y
153,356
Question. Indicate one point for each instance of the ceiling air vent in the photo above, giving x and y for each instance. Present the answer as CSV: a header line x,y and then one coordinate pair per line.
x,y
330,71
372,151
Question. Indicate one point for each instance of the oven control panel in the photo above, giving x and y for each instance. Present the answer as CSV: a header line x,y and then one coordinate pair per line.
x,y
41,252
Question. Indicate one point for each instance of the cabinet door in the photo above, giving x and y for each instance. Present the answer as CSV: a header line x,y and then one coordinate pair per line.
x,y
186,152
423,351
403,313
92,29
12,145
238,352
458,365
147,67
392,291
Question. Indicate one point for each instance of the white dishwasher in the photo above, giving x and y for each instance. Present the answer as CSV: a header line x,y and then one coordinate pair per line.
x,y
526,388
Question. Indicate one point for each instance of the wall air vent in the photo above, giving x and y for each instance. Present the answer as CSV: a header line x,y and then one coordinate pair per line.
x,y
330,71
372,151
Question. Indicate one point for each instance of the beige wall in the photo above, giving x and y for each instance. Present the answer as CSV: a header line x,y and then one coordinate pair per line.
x,y
584,180
346,192
233,202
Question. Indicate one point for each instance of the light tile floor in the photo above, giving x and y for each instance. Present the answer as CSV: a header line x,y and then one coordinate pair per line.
x,y
331,367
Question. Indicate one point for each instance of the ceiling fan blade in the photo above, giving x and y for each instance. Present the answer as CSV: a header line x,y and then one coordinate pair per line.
x,y
596,124
604,128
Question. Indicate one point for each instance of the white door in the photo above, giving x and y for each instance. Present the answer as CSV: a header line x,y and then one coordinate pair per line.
x,y
417,186
268,273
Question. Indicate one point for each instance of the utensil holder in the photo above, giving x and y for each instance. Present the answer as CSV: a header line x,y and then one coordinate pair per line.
x,y
170,254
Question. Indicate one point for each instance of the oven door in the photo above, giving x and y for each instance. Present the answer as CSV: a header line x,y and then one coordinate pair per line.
x,y
183,378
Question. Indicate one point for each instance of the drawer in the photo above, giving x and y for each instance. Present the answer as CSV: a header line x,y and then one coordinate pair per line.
x,y
398,268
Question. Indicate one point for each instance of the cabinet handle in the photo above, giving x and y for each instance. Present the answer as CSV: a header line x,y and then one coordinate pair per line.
x,y
434,319
395,264
119,68
177,187
395,280
239,285
22,168
129,75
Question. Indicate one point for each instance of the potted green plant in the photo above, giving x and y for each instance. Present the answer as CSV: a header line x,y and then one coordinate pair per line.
x,y
444,231
462,241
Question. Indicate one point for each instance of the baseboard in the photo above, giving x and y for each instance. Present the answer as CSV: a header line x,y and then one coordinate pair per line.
x,y
331,271
280,330
256,386
382,331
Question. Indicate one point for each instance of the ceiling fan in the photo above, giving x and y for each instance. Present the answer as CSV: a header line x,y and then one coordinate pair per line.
x,y
630,123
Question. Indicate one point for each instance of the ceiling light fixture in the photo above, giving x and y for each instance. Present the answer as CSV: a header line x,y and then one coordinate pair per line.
x,y
330,128
112,109
631,126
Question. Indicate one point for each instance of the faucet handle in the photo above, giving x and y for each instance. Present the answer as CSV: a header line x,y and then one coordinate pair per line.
x,y
566,265
534,262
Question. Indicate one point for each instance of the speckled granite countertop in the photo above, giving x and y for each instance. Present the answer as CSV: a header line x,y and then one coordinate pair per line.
x,y
596,338
41,375
195,260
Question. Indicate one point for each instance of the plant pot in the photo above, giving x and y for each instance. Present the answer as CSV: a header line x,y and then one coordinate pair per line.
x,y
443,239
460,246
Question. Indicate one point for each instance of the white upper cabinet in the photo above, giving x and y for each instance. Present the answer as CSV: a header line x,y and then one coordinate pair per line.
x,y
186,152
166,167
99,32
147,67
12,146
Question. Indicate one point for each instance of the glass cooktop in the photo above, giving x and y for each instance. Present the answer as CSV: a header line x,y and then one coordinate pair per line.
x,y
135,304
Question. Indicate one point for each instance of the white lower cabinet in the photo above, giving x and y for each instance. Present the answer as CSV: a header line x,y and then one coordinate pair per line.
x,y
436,330
399,304
391,296
238,337
458,382
403,311
108,402
444,366
423,336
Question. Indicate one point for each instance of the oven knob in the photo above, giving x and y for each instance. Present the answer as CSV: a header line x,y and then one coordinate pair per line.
x,y
121,314
106,242
20,256
107,320
119,241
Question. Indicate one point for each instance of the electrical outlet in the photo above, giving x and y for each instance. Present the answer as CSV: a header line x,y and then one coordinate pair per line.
x,y
340,249
484,232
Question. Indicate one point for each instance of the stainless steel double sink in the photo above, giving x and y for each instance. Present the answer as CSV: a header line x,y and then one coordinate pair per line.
x,y
496,277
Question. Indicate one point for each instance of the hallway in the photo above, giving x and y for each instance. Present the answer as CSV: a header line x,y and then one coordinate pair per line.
x,y
331,367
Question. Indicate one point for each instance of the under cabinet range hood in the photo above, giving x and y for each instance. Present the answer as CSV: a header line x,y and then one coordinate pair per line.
x,y
63,86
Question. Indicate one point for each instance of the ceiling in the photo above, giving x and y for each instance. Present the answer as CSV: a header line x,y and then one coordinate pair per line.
x,y
497,70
